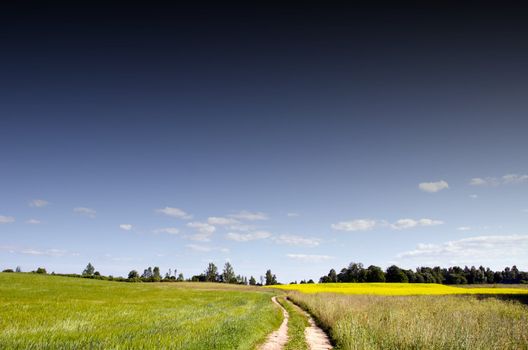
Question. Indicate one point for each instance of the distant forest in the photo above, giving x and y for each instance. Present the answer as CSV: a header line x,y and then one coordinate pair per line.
x,y
354,273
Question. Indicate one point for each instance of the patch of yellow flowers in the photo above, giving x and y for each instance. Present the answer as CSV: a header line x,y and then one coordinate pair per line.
x,y
396,289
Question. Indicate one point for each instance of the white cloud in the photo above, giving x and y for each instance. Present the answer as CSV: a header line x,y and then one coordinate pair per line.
x,y
85,211
354,225
221,221
169,230
199,248
514,178
53,252
126,227
246,237
38,203
433,187
368,224
478,181
175,213
205,249
33,221
403,224
250,216
292,215
464,228
473,196
309,258
242,227
203,229
497,250
508,179
297,240
6,219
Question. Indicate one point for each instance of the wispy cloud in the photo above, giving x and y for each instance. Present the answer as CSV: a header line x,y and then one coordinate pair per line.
x,y
355,225
499,249
126,227
433,187
169,230
33,222
464,228
246,237
293,215
369,224
38,203
250,216
514,178
205,248
403,224
242,227
221,221
508,179
203,229
296,240
6,219
473,196
310,257
175,213
85,211
53,252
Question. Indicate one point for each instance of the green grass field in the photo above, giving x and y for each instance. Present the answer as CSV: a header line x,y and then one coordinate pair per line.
x,y
50,312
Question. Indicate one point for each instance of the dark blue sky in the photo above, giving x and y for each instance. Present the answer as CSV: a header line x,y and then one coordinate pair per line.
x,y
332,113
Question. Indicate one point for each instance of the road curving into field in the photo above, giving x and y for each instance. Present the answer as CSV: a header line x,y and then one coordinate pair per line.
x,y
315,337
277,339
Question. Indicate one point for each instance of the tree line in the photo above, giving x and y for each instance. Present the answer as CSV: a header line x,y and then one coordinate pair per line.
x,y
355,272
153,274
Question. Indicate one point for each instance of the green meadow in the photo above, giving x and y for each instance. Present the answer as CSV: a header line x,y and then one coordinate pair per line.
x,y
54,312
50,312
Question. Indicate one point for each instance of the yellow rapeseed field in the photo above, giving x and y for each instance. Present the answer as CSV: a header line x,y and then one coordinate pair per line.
x,y
395,289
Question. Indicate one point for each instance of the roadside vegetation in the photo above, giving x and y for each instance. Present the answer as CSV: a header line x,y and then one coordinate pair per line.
x,y
43,311
418,322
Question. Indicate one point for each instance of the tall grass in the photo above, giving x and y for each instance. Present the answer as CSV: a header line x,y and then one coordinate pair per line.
x,y
418,322
49,312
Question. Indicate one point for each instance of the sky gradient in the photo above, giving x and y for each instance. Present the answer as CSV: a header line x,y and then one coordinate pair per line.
x,y
295,138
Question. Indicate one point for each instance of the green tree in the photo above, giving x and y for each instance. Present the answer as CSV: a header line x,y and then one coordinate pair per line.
x,y
133,274
252,281
89,270
332,275
375,274
228,275
395,274
156,274
211,273
41,270
270,278
180,277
